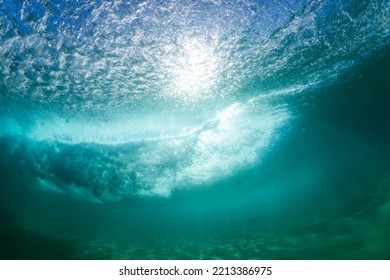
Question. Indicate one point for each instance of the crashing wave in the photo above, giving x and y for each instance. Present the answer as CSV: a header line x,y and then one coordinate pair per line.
x,y
105,100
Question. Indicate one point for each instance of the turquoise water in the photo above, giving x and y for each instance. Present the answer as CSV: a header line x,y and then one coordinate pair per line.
x,y
195,130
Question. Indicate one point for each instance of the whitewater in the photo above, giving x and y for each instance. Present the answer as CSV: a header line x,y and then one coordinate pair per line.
x,y
242,116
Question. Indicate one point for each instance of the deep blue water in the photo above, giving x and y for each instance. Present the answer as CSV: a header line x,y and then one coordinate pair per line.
x,y
194,129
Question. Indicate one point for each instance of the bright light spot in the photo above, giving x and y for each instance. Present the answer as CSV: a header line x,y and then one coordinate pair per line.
x,y
194,70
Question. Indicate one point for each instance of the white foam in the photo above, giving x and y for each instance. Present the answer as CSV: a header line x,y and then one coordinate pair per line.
x,y
233,140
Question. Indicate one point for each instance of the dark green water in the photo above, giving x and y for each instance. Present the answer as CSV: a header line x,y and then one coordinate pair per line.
x,y
265,135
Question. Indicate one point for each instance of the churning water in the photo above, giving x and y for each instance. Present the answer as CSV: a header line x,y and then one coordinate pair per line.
x,y
210,129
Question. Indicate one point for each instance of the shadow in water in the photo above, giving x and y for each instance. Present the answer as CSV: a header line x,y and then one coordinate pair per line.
x,y
19,243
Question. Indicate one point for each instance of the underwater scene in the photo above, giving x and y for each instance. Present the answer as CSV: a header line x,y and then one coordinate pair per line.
x,y
195,129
